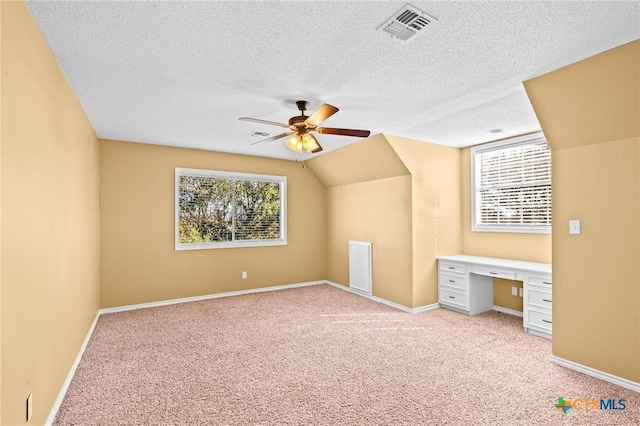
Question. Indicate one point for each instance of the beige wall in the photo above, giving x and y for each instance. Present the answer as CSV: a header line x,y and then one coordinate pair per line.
x,y
379,212
590,114
138,260
596,280
369,199
435,210
50,223
1,74
403,196
502,294
364,161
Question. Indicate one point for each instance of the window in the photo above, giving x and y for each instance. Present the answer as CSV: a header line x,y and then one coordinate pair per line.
x,y
221,209
511,186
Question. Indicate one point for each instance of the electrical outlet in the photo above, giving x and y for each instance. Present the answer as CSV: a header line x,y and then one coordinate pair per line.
x,y
514,291
520,291
244,275
574,227
29,407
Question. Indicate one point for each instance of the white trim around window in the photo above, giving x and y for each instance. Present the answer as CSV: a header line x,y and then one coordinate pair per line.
x,y
511,186
215,209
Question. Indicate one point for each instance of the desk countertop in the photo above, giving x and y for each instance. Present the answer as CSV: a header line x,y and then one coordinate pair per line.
x,y
504,263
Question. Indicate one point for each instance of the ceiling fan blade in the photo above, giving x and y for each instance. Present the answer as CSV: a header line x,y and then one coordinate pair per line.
x,y
273,138
257,120
325,111
344,132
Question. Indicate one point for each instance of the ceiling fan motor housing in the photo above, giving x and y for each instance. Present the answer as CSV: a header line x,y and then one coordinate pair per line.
x,y
296,123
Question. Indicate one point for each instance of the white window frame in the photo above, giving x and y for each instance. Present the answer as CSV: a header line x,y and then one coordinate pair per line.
x,y
514,228
282,180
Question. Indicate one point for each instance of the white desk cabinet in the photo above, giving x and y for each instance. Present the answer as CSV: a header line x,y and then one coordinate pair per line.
x,y
537,304
465,284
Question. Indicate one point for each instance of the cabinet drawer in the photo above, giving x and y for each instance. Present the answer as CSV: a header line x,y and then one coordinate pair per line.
x,y
495,272
539,280
458,281
540,320
453,298
452,267
539,299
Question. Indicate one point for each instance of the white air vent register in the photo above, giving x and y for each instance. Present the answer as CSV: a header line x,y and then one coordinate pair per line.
x,y
406,23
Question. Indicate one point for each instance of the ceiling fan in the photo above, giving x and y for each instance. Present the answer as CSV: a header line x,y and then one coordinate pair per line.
x,y
300,126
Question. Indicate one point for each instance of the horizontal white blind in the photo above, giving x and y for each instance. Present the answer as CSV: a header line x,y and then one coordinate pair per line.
x,y
256,210
513,186
206,209
223,209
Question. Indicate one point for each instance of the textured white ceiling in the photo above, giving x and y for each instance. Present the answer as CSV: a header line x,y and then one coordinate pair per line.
x,y
181,73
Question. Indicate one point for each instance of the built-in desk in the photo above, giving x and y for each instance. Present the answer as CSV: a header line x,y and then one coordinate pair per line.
x,y
465,284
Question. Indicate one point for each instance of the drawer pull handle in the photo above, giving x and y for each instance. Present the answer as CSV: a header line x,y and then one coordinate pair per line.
x,y
544,320
493,273
452,267
452,281
546,282
546,300
451,297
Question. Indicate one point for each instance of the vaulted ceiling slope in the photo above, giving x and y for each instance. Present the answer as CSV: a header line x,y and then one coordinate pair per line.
x,y
182,73
370,159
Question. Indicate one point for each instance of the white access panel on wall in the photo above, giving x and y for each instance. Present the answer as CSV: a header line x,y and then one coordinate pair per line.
x,y
360,266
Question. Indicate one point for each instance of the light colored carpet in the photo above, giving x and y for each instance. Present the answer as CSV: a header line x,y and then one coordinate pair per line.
x,y
321,355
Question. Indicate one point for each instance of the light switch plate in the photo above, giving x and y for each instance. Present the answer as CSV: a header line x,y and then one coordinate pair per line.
x,y
574,227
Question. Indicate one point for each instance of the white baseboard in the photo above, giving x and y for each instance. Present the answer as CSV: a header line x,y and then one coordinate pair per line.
x,y
628,384
205,297
538,333
507,311
385,301
425,308
65,386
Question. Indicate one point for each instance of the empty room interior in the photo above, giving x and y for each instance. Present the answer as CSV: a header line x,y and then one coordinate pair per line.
x,y
467,159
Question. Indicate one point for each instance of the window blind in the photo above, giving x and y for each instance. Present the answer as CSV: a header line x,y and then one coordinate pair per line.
x,y
513,186
215,209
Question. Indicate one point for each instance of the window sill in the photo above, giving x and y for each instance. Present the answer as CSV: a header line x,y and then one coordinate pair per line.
x,y
512,230
208,246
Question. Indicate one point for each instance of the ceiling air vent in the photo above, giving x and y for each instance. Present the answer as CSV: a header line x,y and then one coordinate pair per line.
x,y
406,23
260,134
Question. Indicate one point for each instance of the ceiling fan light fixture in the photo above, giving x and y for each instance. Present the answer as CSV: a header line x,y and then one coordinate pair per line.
x,y
295,143
307,142
310,143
